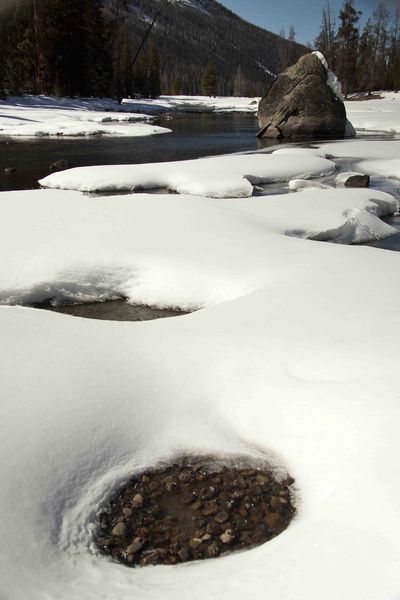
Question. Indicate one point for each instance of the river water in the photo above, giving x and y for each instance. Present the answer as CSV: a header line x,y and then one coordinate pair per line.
x,y
194,135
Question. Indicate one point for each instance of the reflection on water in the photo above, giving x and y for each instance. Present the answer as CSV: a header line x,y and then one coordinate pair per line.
x,y
194,135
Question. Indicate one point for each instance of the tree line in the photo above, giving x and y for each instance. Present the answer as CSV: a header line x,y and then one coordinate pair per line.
x,y
73,48
88,48
364,59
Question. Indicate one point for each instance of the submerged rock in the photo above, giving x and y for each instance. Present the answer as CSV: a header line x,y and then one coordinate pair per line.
x,y
10,171
243,506
59,165
300,103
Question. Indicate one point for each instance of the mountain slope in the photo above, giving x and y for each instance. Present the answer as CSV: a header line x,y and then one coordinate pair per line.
x,y
191,33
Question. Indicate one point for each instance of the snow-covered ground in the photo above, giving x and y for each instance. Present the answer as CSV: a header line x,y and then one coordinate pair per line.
x,y
37,116
218,177
215,104
381,115
293,357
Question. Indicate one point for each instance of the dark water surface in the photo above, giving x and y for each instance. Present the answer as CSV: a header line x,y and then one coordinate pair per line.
x,y
194,135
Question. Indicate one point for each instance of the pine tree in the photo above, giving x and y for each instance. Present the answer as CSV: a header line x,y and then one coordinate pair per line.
x,y
98,59
347,41
153,78
292,34
177,86
366,57
209,80
393,67
325,41
239,83
380,47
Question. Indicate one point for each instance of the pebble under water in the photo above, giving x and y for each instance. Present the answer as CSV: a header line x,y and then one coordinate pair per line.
x,y
195,508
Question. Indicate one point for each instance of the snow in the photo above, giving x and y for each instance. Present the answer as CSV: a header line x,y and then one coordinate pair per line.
x,y
218,177
332,79
293,359
162,249
33,116
382,157
296,363
214,104
376,115
198,5
265,69
297,185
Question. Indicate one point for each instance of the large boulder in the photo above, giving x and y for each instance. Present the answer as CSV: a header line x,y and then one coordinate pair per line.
x,y
301,103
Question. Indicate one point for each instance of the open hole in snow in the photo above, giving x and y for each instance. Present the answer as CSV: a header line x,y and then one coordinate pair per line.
x,y
194,508
112,310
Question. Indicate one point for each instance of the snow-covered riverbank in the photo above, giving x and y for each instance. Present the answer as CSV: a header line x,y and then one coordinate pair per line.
x,y
293,357
38,116
380,115
30,116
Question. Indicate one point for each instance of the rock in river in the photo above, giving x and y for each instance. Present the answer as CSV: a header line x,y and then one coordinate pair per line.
x,y
301,104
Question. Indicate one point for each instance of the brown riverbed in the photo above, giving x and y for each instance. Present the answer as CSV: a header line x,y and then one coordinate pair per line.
x,y
193,509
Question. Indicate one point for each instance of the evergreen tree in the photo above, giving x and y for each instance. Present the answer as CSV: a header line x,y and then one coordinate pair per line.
x,y
140,70
347,41
177,86
393,67
153,78
366,57
209,80
239,83
98,59
325,41
380,47
292,34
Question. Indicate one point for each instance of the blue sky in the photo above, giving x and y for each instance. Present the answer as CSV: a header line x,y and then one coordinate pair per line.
x,y
305,15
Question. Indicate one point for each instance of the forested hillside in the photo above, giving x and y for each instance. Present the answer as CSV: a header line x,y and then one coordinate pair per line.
x,y
87,47
191,34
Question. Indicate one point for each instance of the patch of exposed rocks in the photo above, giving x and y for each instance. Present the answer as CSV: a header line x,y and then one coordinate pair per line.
x,y
193,509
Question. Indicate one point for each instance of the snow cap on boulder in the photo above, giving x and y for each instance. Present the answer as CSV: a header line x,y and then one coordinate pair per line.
x,y
304,101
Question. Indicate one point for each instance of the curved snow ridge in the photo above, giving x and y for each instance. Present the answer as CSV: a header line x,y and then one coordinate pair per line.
x,y
168,250
217,177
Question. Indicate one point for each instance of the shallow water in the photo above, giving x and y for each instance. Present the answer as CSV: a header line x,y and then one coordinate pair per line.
x,y
193,136
392,242
114,310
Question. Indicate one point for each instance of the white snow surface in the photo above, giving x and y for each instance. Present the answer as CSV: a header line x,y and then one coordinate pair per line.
x,y
376,115
218,177
296,363
163,249
215,104
293,360
332,79
380,157
38,116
